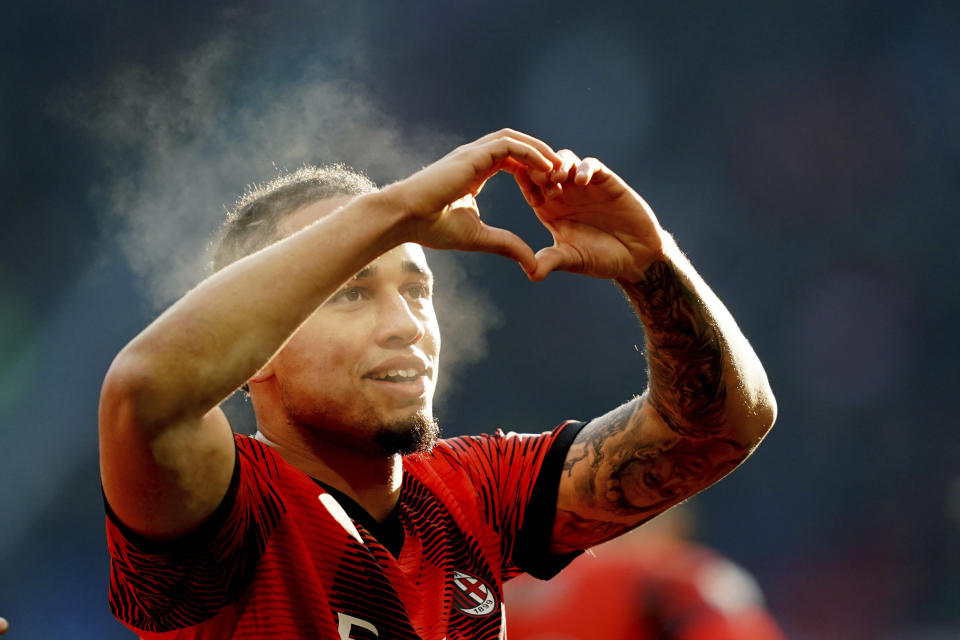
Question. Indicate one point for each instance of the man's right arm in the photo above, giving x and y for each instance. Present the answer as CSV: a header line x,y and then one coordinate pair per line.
x,y
166,449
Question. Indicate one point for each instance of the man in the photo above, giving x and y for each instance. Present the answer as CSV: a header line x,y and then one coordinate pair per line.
x,y
344,518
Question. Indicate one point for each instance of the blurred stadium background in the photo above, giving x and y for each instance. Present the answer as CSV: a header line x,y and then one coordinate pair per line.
x,y
806,155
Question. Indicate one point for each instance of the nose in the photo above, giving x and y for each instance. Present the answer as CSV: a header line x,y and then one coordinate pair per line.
x,y
397,324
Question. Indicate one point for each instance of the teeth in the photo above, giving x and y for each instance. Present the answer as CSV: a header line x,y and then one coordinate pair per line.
x,y
398,373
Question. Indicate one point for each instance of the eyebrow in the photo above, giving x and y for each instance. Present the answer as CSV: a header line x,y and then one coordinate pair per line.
x,y
407,266
368,271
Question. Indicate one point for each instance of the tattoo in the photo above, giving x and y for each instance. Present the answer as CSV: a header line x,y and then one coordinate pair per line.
x,y
571,528
649,454
626,467
684,353
590,448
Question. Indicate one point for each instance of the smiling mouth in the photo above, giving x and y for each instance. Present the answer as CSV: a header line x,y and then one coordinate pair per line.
x,y
398,375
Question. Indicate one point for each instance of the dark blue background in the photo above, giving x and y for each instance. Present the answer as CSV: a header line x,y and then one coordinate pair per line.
x,y
804,154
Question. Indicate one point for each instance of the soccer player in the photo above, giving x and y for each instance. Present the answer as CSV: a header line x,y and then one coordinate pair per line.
x,y
345,517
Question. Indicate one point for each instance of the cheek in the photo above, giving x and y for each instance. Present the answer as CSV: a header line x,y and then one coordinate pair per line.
x,y
337,366
308,357
431,333
434,336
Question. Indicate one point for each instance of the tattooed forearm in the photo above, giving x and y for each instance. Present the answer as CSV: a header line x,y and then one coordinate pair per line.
x,y
684,352
652,480
577,532
628,465
621,467
707,404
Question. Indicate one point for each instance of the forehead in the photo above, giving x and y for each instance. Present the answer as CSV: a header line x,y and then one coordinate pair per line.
x,y
407,258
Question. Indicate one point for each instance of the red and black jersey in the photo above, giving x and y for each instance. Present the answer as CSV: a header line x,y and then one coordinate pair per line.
x,y
286,557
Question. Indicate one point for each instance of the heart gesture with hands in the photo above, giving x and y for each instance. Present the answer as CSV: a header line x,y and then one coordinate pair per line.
x,y
443,213
600,226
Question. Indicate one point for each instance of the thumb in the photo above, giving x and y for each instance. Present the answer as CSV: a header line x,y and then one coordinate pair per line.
x,y
505,243
555,258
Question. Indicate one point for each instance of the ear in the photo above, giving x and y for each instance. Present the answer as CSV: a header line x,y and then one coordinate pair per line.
x,y
265,373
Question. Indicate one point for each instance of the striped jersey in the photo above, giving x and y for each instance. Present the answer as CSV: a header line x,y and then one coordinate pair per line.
x,y
286,557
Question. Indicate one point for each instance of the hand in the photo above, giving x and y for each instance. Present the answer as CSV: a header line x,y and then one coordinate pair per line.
x,y
600,226
440,198
3,626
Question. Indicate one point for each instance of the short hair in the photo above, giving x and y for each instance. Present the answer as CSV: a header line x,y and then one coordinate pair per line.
x,y
253,222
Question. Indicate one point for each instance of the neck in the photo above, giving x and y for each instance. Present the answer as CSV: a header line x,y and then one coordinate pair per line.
x,y
373,481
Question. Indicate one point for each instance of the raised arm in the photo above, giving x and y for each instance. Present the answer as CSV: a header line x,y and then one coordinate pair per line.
x,y
166,449
708,403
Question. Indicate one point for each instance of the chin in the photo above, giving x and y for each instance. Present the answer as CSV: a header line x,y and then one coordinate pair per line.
x,y
416,433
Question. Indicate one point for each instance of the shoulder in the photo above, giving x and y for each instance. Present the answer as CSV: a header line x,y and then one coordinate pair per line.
x,y
498,457
500,441
473,454
251,445
262,474
457,465
447,450
254,453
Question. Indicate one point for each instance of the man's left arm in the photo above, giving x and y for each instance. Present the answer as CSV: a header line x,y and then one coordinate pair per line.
x,y
707,404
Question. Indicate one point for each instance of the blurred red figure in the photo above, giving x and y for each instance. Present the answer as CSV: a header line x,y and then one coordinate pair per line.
x,y
650,584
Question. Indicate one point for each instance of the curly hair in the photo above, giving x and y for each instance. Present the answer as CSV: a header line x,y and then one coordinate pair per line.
x,y
252,224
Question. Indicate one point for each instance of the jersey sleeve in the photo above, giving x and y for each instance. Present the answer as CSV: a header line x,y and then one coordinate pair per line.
x,y
516,478
161,586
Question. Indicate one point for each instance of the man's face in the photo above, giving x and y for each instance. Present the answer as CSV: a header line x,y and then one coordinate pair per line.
x,y
363,367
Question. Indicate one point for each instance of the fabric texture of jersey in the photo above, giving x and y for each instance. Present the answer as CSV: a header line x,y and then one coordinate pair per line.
x,y
280,558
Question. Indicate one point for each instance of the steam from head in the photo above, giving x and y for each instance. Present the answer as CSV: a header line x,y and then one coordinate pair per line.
x,y
179,143
182,142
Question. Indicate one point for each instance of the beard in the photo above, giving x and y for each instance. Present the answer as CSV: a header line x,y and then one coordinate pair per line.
x,y
363,428
416,434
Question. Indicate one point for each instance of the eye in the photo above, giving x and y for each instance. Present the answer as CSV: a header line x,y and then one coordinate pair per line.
x,y
419,291
351,295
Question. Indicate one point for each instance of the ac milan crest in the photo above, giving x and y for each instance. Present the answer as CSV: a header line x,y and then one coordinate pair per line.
x,y
472,596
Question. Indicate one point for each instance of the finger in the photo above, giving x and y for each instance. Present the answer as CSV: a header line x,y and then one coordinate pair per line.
x,y
560,174
475,191
514,166
526,138
507,244
555,258
501,149
569,163
531,192
466,202
589,170
485,157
